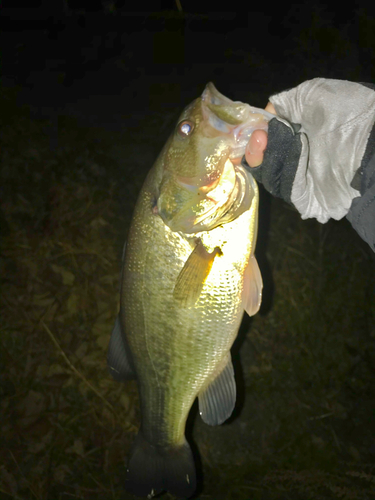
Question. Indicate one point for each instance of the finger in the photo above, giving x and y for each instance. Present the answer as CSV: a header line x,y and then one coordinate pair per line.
x,y
255,148
270,108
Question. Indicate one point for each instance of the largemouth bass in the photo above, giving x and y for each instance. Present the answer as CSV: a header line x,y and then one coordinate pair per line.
x,y
189,272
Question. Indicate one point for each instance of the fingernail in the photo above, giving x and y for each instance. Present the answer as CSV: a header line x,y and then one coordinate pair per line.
x,y
249,149
254,146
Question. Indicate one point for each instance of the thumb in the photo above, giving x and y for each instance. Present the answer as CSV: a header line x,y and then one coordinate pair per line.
x,y
255,148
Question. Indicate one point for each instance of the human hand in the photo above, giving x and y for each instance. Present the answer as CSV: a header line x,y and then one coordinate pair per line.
x,y
318,154
258,143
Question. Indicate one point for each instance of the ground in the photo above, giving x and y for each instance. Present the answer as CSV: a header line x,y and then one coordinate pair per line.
x,y
75,151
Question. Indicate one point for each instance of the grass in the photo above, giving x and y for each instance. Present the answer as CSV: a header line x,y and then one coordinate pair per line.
x,y
304,427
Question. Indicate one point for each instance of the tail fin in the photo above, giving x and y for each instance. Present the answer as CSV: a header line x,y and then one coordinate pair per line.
x,y
152,470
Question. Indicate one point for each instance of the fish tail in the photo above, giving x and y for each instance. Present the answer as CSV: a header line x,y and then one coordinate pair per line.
x,y
153,469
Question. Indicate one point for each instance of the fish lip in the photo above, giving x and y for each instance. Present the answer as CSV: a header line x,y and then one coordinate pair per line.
x,y
211,94
194,183
238,126
238,201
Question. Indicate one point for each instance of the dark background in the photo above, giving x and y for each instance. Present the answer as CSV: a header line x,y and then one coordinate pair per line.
x,y
90,92
134,60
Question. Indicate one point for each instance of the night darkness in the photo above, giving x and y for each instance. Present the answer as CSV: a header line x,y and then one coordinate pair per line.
x,y
90,93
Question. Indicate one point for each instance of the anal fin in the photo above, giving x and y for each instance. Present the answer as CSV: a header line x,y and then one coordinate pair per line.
x,y
217,401
253,284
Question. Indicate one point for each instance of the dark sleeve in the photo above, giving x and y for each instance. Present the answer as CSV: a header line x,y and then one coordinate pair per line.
x,y
362,210
280,162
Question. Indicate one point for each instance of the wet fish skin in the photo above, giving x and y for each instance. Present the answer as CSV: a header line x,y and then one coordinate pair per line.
x,y
188,274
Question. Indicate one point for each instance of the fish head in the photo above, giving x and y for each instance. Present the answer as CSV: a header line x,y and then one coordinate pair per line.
x,y
202,182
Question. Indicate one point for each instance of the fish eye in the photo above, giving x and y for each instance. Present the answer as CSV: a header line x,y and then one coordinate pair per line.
x,y
185,128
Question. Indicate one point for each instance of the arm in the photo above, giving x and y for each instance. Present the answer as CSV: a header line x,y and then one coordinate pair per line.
x,y
320,153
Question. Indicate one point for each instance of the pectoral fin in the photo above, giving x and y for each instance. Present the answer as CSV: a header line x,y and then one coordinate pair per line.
x,y
253,284
120,365
217,401
190,281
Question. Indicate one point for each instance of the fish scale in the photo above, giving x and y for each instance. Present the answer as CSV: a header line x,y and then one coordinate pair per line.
x,y
188,274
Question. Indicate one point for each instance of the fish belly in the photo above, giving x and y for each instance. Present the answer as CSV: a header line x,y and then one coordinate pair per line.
x,y
176,350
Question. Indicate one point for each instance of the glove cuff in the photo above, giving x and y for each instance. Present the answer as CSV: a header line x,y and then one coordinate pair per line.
x,y
280,162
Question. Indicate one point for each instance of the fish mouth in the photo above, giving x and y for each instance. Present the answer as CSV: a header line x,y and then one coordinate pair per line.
x,y
232,118
220,202
227,209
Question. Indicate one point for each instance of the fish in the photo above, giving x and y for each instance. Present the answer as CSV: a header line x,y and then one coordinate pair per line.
x,y
189,273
